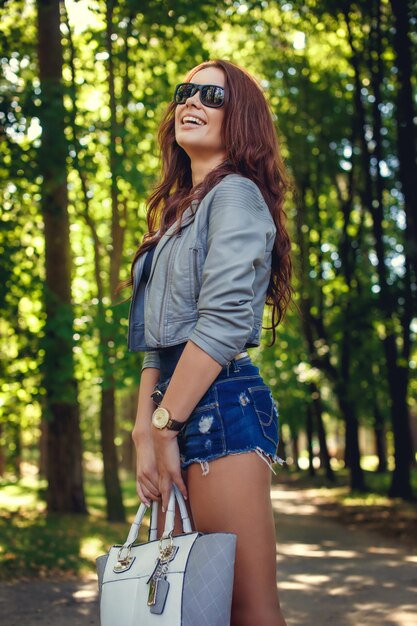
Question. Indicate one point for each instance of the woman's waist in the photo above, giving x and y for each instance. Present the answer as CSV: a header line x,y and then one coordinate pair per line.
x,y
170,356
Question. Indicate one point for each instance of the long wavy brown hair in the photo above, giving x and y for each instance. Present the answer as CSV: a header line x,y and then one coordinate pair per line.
x,y
252,149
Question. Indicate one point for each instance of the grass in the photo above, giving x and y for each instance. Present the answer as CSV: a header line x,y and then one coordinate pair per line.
x,y
34,543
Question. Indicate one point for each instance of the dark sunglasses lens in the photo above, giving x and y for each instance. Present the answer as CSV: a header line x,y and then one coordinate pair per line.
x,y
184,91
212,96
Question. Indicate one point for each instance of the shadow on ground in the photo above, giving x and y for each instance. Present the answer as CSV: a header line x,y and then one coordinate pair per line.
x,y
329,574
47,603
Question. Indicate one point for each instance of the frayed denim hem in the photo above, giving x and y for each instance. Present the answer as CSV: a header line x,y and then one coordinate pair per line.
x,y
269,459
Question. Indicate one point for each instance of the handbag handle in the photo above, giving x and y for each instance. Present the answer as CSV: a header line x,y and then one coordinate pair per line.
x,y
176,495
169,518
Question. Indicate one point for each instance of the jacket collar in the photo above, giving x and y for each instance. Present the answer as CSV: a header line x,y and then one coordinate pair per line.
x,y
187,217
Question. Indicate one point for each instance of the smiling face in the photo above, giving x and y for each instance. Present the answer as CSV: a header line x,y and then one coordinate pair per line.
x,y
198,127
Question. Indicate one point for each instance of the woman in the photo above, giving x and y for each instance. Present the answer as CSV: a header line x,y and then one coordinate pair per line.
x,y
220,250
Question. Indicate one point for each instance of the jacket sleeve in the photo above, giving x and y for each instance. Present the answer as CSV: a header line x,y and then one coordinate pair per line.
x,y
151,359
239,226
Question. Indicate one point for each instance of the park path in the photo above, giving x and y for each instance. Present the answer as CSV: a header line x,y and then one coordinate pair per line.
x,y
330,574
327,574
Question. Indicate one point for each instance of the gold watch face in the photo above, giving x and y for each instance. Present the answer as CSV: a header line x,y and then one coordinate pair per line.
x,y
160,417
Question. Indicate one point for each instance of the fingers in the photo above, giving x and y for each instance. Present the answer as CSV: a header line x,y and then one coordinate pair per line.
x,y
169,466
181,486
165,486
147,491
165,489
152,490
147,483
141,495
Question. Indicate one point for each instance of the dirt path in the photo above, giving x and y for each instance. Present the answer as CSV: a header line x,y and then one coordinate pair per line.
x,y
327,574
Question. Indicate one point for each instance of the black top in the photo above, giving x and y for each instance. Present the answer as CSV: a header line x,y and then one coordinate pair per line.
x,y
169,356
148,264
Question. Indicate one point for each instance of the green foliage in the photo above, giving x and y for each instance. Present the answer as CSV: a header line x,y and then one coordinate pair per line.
x,y
301,54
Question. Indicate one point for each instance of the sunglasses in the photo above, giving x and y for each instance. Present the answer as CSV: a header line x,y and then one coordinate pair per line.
x,y
210,95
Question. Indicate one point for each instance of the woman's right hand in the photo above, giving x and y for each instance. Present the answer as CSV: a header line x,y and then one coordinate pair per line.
x,y
147,478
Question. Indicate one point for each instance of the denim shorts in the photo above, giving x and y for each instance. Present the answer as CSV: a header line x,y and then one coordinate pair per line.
x,y
236,414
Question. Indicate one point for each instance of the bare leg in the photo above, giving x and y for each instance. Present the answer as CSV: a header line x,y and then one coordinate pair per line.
x,y
235,497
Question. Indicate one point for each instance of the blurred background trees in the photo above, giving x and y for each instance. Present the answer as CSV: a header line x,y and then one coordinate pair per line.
x,y
81,99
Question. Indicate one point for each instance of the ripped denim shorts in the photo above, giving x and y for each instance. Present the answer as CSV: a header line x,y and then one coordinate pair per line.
x,y
236,414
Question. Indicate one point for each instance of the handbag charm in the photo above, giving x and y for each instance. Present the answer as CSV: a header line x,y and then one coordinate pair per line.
x,y
158,584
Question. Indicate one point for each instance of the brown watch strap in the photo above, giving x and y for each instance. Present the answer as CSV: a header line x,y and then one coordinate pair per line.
x,y
174,424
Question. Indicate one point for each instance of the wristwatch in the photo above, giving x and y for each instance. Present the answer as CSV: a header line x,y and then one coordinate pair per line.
x,y
161,418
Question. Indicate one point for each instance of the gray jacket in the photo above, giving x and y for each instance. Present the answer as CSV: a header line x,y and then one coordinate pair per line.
x,y
208,283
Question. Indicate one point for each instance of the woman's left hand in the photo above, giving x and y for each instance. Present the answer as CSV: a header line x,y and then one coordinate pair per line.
x,y
168,461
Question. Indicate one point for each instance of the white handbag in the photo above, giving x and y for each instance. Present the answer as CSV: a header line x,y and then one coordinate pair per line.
x,y
180,580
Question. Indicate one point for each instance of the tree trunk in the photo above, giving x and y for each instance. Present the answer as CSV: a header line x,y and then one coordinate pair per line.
x,y
128,456
295,449
65,491
321,433
352,452
112,486
43,443
346,454
115,508
127,411
309,432
406,130
380,447
15,459
398,383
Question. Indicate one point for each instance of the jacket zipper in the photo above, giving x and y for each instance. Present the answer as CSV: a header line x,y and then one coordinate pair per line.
x,y
164,298
195,269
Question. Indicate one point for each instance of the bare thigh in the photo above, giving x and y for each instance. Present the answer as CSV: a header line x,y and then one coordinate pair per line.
x,y
235,497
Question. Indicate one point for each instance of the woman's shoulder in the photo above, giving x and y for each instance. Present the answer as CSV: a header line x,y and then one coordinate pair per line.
x,y
237,182
236,190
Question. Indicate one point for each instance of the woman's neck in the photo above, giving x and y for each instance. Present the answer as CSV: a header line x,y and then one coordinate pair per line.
x,y
202,166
